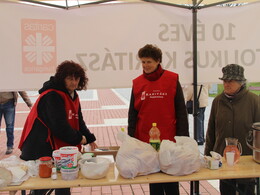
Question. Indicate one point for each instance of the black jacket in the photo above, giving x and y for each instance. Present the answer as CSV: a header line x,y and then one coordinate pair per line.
x,y
51,110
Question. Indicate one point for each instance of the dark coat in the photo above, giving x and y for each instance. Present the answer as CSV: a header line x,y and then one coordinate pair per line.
x,y
231,118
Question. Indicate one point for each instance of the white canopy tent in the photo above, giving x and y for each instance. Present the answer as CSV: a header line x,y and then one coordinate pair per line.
x,y
196,41
105,38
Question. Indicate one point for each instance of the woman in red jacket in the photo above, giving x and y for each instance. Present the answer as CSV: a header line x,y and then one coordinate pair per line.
x,y
56,119
157,97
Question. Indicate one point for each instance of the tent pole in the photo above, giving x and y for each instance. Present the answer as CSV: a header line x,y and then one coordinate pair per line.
x,y
42,3
67,6
218,3
195,77
195,97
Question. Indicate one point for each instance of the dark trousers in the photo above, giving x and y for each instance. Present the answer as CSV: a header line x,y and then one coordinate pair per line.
x,y
230,186
62,191
200,125
164,188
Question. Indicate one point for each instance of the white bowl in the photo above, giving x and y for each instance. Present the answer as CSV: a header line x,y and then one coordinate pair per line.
x,y
94,168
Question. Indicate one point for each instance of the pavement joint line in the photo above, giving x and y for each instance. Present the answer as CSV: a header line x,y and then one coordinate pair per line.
x,y
121,97
113,121
105,108
22,112
108,125
114,107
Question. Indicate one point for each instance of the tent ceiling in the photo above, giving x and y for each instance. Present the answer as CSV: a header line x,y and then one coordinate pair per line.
x,y
76,3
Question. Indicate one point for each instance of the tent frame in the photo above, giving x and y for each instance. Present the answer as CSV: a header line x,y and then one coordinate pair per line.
x,y
194,189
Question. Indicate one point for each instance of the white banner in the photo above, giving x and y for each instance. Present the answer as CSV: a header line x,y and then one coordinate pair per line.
x,y
106,38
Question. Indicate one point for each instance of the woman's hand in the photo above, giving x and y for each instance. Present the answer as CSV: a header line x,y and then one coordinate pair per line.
x,y
93,146
83,140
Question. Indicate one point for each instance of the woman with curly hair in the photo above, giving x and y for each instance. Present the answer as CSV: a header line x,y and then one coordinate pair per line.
x,y
56,119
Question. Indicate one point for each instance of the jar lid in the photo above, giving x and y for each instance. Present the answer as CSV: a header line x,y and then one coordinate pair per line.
x,y
45,158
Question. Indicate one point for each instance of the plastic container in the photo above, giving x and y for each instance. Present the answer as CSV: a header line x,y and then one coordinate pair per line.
x,y
69,174
57,159
68,156
94,168
154,134
45,167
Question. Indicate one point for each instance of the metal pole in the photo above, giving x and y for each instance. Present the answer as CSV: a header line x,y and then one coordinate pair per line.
x,y
67,6
191,187
258,186
195,71
195,110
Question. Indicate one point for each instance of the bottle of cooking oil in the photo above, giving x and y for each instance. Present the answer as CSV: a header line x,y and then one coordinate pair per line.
x,y
154,134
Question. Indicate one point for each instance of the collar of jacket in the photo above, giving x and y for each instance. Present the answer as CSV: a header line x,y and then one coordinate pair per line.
x,y
238,95
154,75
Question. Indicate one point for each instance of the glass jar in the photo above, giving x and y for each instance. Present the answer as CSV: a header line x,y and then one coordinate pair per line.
x,y
45,167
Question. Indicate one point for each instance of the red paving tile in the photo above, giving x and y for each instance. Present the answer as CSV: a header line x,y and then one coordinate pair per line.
x,y
86,190
115,188
108,97
106,136
106,190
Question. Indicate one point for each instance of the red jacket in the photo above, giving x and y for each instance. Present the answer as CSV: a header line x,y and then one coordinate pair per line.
x,y
71,108
154,101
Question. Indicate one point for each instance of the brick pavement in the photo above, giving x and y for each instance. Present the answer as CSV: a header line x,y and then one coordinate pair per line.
x,y
105,112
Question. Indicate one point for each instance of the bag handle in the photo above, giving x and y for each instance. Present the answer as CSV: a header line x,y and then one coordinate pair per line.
x,y
200,92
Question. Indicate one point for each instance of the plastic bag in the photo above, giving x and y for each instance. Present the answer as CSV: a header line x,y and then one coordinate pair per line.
x,y
5,177
180,158
17,167
135,157
189,106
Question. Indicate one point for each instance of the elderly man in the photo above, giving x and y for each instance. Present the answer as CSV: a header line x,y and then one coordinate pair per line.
x,y
232,114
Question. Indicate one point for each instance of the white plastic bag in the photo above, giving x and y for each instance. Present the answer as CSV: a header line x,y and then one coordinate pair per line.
x,y
17,167
135,157
180,158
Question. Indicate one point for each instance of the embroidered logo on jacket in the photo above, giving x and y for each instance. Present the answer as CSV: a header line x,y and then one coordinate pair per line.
x,y
71,115
155,94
